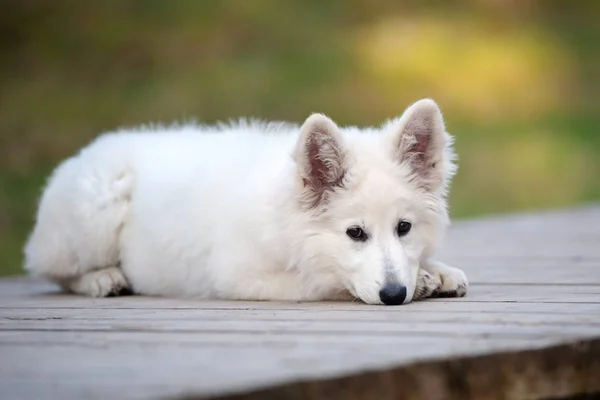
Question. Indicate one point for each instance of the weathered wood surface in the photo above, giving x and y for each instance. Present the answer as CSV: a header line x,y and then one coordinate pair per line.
x,y
529,328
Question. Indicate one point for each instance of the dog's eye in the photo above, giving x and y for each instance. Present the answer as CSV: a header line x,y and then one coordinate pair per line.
x,y
403,228
357,233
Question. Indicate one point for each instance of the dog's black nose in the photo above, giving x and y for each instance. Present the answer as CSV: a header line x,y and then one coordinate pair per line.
x,y
393,294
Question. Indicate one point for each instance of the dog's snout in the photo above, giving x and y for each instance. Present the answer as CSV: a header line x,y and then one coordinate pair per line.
x,y
393,294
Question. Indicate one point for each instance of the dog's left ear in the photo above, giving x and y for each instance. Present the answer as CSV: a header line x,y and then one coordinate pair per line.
x,y
422,144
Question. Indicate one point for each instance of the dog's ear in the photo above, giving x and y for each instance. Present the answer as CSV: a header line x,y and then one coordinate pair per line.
x,y
320,157
422,144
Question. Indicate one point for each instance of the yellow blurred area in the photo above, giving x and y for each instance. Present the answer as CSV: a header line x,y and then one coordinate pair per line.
x,y
482,71
518,83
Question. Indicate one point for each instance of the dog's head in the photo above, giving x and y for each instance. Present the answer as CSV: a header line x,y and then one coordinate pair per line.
x,y
373,202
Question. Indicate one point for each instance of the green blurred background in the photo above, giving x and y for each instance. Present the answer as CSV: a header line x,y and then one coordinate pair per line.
x,y
518,82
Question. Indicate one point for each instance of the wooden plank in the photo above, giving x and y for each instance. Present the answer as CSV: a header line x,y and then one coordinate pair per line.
x,y
253,363
523,316
413,345
564,234
467,304
321,328
530,271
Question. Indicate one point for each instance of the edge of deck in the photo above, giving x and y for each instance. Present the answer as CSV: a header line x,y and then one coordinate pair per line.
x,y
553,372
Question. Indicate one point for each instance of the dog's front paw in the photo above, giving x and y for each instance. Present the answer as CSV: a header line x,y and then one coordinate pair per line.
x,y
454,281
427,285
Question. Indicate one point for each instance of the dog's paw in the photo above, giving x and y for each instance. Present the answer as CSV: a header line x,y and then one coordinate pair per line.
x,y
427,285
102,283
454,282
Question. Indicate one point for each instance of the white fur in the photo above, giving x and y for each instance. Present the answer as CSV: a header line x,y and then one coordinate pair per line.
x,y
251,211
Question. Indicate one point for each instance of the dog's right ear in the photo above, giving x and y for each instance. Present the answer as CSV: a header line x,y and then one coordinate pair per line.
x,y
320,157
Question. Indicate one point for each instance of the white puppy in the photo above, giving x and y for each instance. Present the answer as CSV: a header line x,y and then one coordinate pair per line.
x,y
254,211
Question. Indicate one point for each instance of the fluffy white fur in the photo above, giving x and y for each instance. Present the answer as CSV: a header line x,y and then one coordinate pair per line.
x,y
251,210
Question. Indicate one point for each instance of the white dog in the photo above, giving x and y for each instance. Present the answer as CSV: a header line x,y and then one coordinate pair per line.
x,y
254,211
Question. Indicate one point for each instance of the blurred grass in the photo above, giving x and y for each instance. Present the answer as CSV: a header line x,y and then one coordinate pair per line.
x,y
518,81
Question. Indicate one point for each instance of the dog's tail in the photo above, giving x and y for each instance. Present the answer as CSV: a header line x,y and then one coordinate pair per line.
x,y
81,213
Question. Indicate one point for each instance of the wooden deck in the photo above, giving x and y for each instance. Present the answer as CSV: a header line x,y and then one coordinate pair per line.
x,y
529,328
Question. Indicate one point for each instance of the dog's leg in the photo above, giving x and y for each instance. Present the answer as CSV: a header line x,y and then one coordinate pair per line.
x,y
454,281
248,284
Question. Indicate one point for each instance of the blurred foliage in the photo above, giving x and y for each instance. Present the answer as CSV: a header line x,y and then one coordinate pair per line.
x,y
518,82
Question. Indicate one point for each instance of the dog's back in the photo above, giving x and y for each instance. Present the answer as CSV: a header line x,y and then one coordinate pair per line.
x,y
83,211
